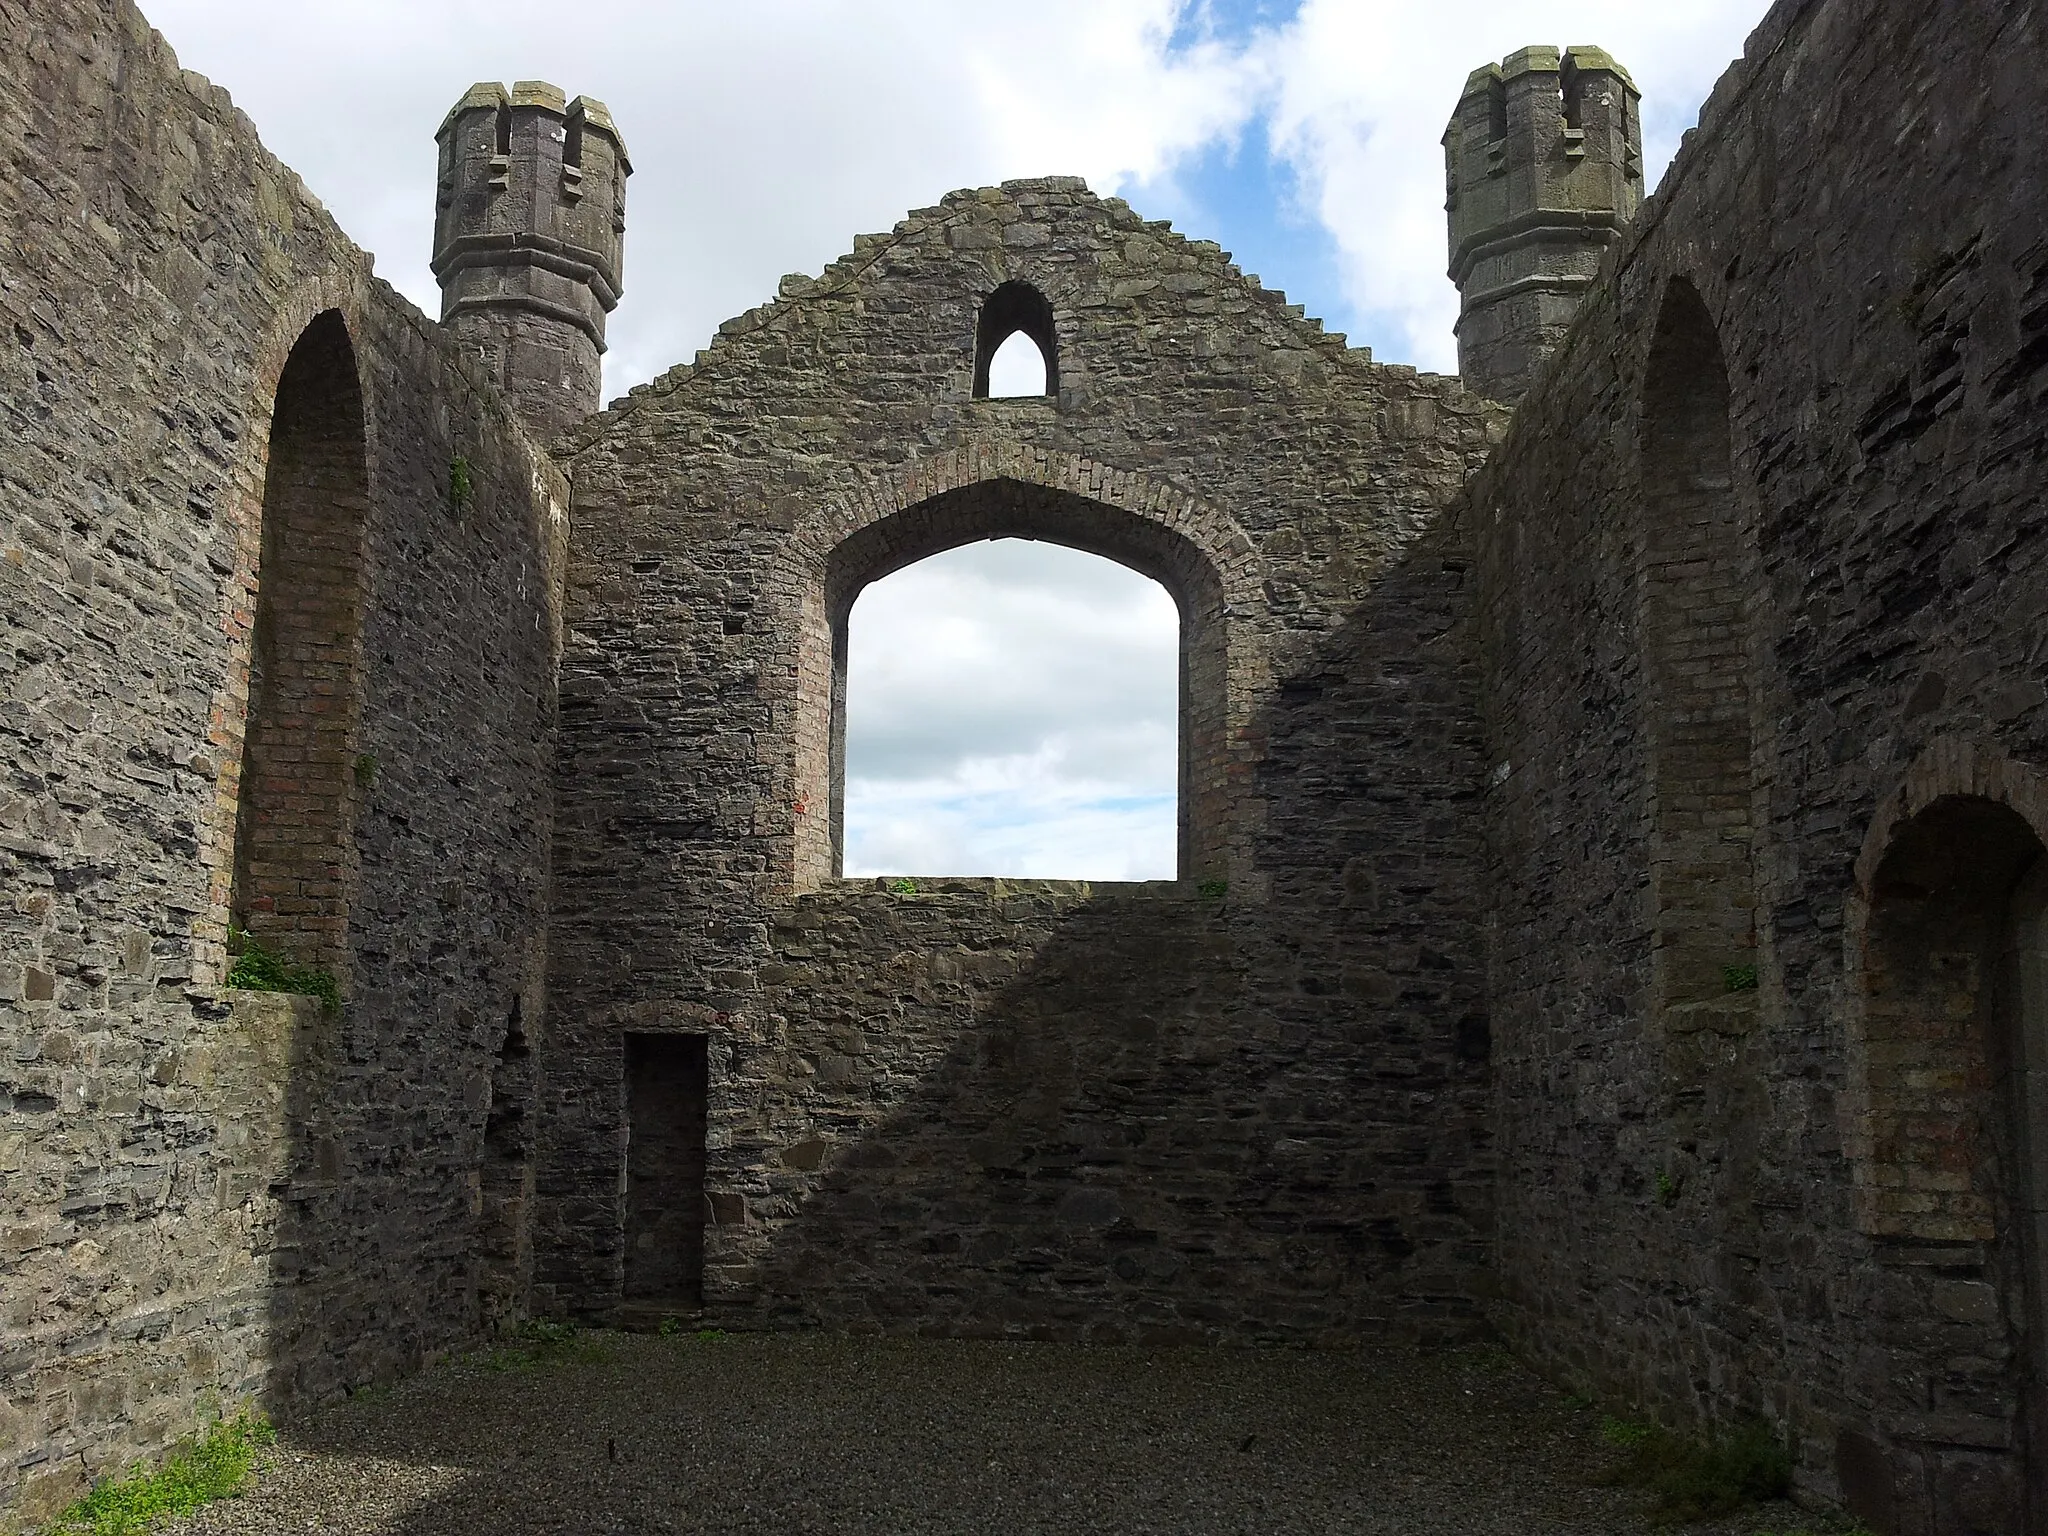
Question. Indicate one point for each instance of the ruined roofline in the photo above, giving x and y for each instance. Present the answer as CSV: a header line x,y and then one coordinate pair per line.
x,y
1784,21
955,207
215,102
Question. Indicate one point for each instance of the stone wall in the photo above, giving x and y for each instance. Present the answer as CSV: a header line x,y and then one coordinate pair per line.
x,y
1612,896
206,1196
1715,699
1258,1112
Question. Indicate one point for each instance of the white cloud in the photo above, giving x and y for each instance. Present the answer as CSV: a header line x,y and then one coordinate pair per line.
x,y
1011,709
764,137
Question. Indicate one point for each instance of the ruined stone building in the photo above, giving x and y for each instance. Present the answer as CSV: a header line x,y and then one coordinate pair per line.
x,y
1613,787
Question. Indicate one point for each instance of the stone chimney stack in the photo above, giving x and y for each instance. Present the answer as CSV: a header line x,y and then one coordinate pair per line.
x,y
1545,169
529,234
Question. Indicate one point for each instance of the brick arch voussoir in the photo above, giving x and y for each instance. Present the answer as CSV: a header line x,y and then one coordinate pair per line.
x,y
1214,534
1947,768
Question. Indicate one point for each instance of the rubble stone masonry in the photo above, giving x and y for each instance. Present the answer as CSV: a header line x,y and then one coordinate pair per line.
x,y
208,1195
1611,904
1801,660
1255,1113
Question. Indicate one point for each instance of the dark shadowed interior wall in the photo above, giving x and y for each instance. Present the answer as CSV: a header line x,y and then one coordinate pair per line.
x,y
242,608
1611,873
1744,615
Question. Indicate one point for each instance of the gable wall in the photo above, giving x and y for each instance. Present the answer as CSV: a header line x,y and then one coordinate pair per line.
x,y
1019,1107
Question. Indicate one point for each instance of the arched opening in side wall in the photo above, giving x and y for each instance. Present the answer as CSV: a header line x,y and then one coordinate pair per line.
x,y
294,861
1011,509
1012,709
1695,587
1949,1154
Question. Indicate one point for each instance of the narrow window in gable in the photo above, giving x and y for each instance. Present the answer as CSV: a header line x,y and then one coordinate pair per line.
x,y
1016,323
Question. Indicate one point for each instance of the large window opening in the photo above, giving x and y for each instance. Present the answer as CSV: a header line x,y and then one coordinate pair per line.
x,y
1121,678
1695,631
294,809
1012,708
1016,351
1949,1144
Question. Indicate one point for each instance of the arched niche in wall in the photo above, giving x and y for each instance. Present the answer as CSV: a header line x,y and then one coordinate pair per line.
x,y
1004,508
294,859
1946,1130
1015,309
1695,585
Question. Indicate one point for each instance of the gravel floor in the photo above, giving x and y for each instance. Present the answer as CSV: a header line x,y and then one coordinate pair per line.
x,y
804,1433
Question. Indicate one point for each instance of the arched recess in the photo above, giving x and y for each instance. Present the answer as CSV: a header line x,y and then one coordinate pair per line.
x,y
1696,577
1001,507
1946,1130
1015,307
294,849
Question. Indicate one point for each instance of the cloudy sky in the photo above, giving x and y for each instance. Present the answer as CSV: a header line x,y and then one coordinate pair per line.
x,y
1037,738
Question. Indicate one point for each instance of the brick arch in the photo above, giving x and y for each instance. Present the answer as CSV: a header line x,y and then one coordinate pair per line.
x,y
302,490
341,291
1694,590
1971,796
983,491
1947,1054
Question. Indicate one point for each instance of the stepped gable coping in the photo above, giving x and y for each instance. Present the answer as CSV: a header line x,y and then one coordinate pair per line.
x,y
954,208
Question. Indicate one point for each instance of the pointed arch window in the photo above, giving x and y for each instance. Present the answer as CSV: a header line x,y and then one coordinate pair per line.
x,y
1015,310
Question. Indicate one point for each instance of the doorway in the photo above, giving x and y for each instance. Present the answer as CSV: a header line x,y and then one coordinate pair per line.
x,y
666,1078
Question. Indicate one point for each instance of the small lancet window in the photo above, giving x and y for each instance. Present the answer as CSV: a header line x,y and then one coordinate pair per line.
x,y
504,130
1497,109
572,142
1015,349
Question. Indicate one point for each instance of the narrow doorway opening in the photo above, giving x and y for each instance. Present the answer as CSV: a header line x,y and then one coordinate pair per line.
x,y
505,1179
666,1079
